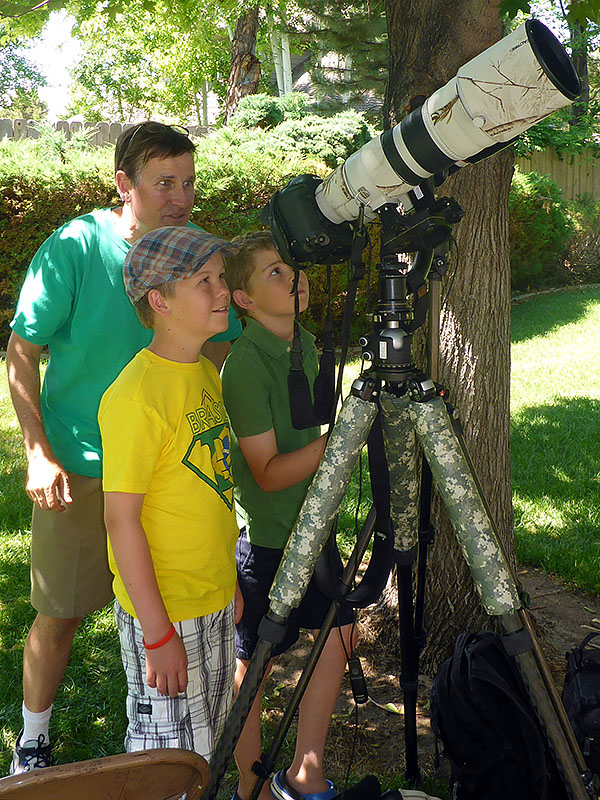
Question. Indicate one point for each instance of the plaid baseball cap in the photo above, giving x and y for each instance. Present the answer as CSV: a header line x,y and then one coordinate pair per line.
x,y
169,254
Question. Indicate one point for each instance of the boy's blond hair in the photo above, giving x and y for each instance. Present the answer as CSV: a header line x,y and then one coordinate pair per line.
x,y
144,310
239,268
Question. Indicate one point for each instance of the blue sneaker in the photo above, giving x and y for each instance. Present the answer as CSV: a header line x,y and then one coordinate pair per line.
x,y
283,791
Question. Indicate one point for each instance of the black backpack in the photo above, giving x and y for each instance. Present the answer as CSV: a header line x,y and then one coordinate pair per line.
x,y
483,716
581,699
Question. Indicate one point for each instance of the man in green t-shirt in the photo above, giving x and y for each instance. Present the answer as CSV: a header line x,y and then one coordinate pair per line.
x,y
74,301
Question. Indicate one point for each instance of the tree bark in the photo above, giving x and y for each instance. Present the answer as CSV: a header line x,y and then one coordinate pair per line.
x,y
579,56
429,41
245,66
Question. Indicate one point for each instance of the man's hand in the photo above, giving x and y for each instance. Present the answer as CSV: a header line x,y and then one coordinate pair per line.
x,y
47,484
166,667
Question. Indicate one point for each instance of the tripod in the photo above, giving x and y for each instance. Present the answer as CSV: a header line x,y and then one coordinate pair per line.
x,y
411,408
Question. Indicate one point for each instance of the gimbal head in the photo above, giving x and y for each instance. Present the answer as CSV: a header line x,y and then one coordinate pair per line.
x,y
401,308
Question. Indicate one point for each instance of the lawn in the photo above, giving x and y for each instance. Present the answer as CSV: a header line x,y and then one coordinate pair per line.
x,y
555,439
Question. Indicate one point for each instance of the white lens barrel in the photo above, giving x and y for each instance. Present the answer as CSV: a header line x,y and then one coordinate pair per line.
x,y
507,89
366,179
492,99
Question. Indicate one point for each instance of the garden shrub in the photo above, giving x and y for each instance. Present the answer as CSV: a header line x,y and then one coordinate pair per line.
x,y
581,263
331,139
294,105
258,111
539,228
265,111
44,183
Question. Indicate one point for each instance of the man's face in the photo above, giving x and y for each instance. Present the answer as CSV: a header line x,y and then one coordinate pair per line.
x,y
271,284
163,193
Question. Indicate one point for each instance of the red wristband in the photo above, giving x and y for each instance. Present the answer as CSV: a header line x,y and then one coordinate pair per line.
x,y
166,638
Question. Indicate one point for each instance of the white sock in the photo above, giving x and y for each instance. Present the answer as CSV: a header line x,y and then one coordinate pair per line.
x,y
35,724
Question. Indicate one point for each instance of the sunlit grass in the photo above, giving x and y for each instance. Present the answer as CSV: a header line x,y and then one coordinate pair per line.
x,y
555,422
89,710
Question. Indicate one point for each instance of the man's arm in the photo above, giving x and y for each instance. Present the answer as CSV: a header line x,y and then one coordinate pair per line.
x,y
47,482
273,470
166,666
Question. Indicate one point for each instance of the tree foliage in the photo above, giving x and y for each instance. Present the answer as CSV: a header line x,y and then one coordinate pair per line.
x,y
149,63
354,36
20,80
581,11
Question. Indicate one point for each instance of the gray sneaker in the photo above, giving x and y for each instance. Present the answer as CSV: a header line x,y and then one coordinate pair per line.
x,y
35,756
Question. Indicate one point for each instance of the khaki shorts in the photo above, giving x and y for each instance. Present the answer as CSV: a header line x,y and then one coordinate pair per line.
x,y
69,563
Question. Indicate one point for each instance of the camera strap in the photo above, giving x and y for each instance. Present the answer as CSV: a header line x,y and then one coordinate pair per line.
x,y
309,410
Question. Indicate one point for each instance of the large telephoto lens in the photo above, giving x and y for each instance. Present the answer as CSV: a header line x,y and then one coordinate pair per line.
x,y
500,93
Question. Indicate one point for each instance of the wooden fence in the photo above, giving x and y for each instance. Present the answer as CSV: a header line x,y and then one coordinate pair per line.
x,y
576,175
99,134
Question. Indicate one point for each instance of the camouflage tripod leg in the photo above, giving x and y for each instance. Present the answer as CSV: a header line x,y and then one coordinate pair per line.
x,y
321,504
495,581
300,557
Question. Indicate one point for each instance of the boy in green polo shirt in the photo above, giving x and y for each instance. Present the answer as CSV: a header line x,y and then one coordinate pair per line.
x,y
273,465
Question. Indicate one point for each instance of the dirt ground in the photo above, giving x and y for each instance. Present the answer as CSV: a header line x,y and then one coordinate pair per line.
x,y
375,746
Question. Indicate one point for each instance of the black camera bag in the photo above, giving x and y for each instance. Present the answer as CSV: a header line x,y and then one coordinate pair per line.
x,y
581,699
489,731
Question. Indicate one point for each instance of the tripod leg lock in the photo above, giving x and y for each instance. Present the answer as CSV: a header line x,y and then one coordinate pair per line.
x,y
263,769
272,628
517,642
405,558
409,686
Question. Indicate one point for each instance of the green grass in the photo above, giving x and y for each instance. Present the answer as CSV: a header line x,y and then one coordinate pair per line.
x,y
555,439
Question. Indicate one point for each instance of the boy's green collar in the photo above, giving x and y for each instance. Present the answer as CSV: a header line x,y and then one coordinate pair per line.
x,y
268,341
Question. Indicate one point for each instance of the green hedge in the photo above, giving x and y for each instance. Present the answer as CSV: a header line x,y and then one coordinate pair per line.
x,y
266,111
540,228
41,187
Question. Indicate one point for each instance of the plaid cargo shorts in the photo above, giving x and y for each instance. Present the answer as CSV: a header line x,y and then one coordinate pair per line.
x,y
194,719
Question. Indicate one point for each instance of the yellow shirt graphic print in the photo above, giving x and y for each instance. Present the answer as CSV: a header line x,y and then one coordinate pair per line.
x,y
209,430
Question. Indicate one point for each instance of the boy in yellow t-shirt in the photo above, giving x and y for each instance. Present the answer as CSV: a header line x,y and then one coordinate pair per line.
x,y
169,498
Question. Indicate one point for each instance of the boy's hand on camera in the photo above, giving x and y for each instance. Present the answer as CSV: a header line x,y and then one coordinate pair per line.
x,y
166,668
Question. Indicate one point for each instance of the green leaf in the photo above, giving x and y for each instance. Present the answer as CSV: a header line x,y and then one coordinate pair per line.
x,y
512,7
392,708
583,11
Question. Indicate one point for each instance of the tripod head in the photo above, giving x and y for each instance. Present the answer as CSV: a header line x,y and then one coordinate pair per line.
x,y
424,229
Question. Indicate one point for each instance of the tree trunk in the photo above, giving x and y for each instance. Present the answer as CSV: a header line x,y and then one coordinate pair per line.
x,y
287,62
204,89
277,61
245,66
579,56
429,41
